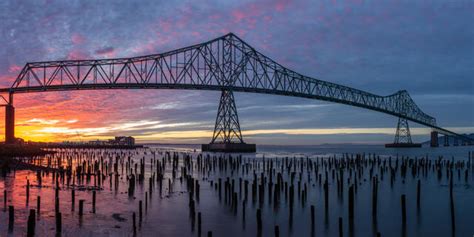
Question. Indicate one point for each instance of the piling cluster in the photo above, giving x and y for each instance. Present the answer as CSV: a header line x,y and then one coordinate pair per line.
x,y
251,185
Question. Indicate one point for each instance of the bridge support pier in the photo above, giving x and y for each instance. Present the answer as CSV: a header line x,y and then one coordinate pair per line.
x,y
434,139
10,121
227,136
402,136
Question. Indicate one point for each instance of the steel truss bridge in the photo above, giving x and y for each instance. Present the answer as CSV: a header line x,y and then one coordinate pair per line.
x,y
226,64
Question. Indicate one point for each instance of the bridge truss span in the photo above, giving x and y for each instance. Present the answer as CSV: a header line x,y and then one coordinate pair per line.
x,y
226,63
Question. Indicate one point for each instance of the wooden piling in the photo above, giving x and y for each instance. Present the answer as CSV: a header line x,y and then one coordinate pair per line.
x,y
31,224
73,199
341,234
199,224
38,205
140,212
351,204
56,205
134,217
451,202
59,226
93,201
277,231
27,191
326,196
11,218
192,212
418,193
259,220
374,199
404,211
243,211
146,202
81,207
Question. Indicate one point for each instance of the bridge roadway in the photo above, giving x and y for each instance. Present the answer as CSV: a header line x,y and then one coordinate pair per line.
x,y
226,63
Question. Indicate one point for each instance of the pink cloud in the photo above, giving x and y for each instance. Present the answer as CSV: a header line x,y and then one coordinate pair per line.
x,y
238,15
77,54
254,13
196,34
77,39
281,5
247,12
51,49
14,68
267,19
164,25
6,81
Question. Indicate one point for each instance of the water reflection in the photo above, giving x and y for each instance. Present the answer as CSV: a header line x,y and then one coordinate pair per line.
x,y
186,193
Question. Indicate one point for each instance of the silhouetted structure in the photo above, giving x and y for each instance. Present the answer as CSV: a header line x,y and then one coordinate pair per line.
x,y
226,64
403,136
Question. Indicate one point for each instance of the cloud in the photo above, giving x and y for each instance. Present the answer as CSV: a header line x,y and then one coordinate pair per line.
x,y
43,121
77,54
14,68
109,51
77,39
380,47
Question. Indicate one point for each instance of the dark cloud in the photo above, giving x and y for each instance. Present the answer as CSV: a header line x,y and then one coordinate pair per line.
x,y
106,50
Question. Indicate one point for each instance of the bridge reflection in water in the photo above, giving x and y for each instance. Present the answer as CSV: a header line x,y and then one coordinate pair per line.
x,y
227,64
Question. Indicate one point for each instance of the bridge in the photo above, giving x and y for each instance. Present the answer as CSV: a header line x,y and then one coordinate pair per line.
x,y
226,64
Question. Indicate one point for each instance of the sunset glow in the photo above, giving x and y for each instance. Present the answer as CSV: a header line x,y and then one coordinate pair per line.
x,y
236,118
322,39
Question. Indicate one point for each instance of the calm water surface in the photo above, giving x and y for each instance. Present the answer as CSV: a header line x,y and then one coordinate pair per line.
x,y
168,214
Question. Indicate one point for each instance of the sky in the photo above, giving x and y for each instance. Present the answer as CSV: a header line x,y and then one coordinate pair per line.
x,y
424,47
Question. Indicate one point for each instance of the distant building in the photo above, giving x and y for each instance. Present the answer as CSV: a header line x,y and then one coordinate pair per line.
x,y
124,141
117,141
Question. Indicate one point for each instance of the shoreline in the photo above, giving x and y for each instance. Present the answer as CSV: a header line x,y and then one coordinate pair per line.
x,y
17,150
86,146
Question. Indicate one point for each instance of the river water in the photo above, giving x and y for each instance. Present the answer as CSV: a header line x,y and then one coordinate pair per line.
x,y
168,213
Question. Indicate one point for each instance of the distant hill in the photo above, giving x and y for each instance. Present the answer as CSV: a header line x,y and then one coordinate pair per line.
x,y
450,140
